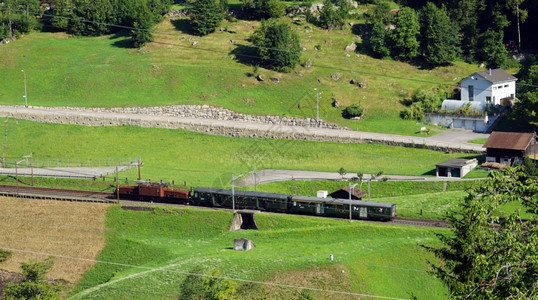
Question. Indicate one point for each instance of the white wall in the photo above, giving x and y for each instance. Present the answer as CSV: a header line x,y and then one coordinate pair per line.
x,y
484,88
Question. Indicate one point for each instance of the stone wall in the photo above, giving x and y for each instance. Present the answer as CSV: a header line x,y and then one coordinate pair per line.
x,y
206,112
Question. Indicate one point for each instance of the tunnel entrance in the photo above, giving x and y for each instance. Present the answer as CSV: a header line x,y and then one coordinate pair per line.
x,y
244,220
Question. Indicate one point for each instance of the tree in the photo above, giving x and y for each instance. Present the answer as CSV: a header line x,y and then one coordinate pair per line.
x,y
92,17
217,288
4,255
277,45
333,16
191,288
208,287
484,257
404,37
521,16
492,49
263,9
379,40
34,285
439,39
143,21
206,16
342,172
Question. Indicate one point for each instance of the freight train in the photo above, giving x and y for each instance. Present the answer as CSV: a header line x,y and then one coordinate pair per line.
x,y
272,202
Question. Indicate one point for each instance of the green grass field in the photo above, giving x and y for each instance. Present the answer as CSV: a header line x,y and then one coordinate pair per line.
x,y
103,71
375,259
205,160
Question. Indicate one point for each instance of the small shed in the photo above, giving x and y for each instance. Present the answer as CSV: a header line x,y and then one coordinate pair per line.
x,y
456,167
343,193
509,147
243,244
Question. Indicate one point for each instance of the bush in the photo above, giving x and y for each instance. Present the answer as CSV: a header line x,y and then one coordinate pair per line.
x,y
352,111
277,45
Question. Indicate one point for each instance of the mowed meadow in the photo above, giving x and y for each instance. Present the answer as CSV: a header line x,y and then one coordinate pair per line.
x,y
218,69
292,253
204,160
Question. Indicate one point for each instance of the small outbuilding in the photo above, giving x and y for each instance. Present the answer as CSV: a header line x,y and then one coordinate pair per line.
x,y
509,147
456,167
343,193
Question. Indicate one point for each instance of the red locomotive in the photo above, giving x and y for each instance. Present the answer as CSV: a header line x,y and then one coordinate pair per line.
x,y
153,191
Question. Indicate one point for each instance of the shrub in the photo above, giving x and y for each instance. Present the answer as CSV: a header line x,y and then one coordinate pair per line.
x,y
277,45
352,111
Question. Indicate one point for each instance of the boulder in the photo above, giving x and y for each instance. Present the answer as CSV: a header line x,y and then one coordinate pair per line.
x,y
259,78
351,47
308,63
336,76
336,103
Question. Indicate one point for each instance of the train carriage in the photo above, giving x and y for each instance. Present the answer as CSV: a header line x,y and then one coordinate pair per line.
x,y
243,199
331,207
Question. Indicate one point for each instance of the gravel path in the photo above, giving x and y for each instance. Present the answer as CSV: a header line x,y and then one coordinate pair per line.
x,y
271,175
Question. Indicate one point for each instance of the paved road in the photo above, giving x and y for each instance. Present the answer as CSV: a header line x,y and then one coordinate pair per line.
x,y
455,139
65,172
271,175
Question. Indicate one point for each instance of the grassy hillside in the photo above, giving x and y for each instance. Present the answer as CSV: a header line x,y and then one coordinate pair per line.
x,y
290,250
205,160
103,71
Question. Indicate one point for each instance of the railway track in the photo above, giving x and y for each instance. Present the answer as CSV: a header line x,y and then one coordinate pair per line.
x,y
42,193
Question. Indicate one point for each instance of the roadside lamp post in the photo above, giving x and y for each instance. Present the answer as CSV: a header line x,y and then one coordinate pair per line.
x,y
25,91
17,175
233,190
255,175
317,105
31,157
349,192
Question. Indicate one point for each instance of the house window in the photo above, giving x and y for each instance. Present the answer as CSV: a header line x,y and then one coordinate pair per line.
x,y
506,85
471,93
488,99
494,87
500,87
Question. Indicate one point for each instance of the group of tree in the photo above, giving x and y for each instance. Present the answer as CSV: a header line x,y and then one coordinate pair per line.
x,y
18,17
489,253
34,284
524,116
211,286
438,32
82,17
420,102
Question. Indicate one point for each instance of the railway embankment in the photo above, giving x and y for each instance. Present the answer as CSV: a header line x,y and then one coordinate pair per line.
x,y
224,123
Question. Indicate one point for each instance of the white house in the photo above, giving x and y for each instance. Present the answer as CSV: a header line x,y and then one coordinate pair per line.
x,y
478,91
489,87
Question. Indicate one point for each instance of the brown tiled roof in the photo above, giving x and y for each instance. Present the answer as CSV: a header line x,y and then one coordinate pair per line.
x,y
509,140
496,75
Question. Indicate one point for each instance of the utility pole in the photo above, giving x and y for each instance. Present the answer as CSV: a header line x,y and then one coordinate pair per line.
x,y
255,177
117,186
233,190
25,94
17,175
31,164
349,192
317,106
138,166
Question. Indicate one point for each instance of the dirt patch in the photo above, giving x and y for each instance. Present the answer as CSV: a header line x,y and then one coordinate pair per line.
x,y
330,277
35,229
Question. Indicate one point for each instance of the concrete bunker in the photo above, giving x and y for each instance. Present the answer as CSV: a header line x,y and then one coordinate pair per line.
x,y
244,220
